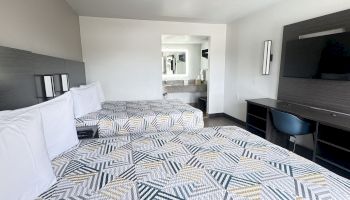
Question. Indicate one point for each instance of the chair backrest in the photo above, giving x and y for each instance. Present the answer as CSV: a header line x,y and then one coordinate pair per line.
x,y
290,124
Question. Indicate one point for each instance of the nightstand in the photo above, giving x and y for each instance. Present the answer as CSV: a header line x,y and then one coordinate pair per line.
x,y
87,132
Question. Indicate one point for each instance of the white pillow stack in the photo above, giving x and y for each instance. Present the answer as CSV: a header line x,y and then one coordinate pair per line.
x,y
25,168
59,124
100,93
99,90
87,99
31,137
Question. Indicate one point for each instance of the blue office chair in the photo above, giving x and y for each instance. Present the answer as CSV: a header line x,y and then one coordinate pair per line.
x,y
291,125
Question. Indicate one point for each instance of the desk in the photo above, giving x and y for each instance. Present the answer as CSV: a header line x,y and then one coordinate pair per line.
x,y
331,144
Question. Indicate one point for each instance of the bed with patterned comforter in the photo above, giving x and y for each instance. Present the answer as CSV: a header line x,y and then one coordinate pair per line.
x,y
210,163
124,117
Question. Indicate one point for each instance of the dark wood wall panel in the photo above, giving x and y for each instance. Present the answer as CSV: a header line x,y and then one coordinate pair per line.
x,y
332,95
76,72
17,75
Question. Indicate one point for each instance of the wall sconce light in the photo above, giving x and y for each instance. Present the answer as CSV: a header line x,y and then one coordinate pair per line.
x,y
267,57
49,86
64,81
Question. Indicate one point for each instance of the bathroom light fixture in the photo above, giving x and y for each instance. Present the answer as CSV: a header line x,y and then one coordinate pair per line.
x,y
267,57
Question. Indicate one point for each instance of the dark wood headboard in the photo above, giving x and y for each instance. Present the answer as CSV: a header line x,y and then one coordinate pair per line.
x,y
327,94
17,75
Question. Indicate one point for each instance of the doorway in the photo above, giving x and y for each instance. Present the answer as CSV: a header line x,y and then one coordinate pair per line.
x,y
185,69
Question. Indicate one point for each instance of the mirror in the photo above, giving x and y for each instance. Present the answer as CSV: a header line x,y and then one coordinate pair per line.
x,y
174,62
184,58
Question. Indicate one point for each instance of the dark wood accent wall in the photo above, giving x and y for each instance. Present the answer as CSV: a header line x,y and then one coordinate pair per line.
x,y
332,95
18,68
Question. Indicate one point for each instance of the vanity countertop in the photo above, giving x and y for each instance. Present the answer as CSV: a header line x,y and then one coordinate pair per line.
x,y
185,88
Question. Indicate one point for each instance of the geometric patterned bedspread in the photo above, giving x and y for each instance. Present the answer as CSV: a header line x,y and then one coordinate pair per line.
x,y
124,117
212,163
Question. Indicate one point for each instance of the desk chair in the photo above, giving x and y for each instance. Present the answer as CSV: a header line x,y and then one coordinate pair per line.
x,y
291,125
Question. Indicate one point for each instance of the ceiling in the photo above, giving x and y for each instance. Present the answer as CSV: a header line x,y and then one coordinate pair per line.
x,y
184,39
206,11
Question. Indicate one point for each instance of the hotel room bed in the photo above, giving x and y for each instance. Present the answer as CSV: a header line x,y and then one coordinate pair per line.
x,y
210,163
124,117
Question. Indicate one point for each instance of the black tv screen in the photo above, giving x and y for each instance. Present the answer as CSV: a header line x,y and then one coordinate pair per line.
x,y
324,57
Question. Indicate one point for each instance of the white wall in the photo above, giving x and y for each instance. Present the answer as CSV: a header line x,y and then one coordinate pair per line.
x,y
243,79
41,26
244,51
125,56
193,59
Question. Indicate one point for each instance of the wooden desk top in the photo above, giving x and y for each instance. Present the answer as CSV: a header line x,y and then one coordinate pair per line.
x,y
326,117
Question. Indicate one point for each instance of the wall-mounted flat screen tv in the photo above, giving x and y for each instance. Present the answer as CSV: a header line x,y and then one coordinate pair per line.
x,y
323,57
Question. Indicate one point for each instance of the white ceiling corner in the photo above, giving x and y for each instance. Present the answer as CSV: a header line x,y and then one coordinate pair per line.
x,y
204,11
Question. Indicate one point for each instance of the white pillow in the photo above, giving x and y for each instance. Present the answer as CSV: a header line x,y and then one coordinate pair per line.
x,y
4,113
58,123
85,100
100,92
25,168
98,86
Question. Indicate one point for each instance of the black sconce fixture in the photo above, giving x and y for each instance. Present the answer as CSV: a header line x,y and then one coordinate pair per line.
x,y
48,86
64,82
267,57
61,83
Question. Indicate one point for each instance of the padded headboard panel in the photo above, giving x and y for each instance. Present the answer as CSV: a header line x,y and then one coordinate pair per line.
x,y
18,68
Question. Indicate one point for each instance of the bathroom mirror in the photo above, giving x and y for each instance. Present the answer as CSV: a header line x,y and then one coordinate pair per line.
x,y
174,62
184,58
